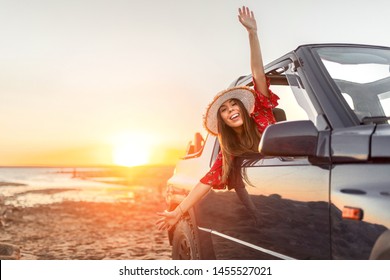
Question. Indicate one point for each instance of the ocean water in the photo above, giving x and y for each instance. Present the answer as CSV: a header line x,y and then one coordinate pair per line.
x,y
27,187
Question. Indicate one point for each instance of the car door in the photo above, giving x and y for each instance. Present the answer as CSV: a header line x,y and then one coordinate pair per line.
x,y
291,202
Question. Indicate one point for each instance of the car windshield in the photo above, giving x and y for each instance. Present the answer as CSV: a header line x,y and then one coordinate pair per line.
x,y
362,75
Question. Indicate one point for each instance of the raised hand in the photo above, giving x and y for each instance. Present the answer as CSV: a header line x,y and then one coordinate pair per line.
x,y
247,19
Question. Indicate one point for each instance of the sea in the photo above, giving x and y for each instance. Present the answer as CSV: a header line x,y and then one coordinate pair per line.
x,y
31,186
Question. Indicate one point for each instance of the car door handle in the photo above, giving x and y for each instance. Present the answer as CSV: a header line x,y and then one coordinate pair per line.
x,y
353,191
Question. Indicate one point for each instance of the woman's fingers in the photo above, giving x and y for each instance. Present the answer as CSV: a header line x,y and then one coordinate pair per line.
x,y
162,213
162,224
244,11
167,221
159,221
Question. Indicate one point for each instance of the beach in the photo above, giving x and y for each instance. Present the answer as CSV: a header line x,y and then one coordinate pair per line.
x,y
119,227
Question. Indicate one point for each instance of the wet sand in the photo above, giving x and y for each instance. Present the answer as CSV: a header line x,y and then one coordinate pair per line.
x,y
85,230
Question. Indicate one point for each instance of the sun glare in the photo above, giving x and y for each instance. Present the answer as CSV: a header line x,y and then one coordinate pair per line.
x,y
131,150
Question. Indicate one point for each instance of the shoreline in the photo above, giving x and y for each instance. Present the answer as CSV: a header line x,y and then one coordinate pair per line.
x,y
82,230
86,218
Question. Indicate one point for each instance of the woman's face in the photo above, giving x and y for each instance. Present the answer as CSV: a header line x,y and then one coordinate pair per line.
x,y
231,114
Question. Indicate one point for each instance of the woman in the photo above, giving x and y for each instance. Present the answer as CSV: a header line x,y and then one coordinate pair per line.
x,y
238,116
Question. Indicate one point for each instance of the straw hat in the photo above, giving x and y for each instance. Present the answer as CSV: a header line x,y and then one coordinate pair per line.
x,y
245,94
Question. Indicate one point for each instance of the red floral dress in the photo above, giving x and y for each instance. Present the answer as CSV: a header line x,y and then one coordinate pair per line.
x,y
263,116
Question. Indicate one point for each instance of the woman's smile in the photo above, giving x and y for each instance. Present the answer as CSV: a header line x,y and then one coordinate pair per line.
x,y
231,113
234,116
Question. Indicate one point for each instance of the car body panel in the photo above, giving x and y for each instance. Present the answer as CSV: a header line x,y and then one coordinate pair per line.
x,y
380,142
352,186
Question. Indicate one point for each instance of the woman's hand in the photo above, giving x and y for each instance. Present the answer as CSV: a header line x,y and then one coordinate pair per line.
x,y
168,220
247,19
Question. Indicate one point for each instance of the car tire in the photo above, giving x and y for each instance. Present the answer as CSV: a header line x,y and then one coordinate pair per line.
x,y
381,249
185,242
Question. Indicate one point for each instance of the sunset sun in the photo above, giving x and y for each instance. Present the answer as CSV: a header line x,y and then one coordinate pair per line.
x,y
131,150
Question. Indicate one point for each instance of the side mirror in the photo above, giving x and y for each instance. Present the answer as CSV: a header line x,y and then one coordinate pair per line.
x,y
194,147
291,138
190,148
198,142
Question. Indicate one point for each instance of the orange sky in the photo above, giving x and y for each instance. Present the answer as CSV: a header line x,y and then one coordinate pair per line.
x,y
90,156
82,81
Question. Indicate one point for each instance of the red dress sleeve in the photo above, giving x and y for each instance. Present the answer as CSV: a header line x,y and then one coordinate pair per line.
x,y
262,113
213,178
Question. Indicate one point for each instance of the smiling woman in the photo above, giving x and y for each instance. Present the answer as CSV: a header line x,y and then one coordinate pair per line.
x,y
131,150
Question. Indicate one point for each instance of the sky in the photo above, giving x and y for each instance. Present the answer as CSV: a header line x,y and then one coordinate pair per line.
x,y
83,82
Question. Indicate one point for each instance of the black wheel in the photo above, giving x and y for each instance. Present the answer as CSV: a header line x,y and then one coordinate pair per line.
x,y
184,243
381,249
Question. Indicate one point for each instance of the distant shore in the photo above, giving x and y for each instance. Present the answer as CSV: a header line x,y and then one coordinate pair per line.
x,y
2,183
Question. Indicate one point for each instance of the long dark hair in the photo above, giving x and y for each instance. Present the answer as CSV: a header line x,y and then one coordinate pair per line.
x,y
233,144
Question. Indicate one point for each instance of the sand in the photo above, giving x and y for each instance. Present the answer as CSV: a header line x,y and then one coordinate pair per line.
x,y
82,230
87,230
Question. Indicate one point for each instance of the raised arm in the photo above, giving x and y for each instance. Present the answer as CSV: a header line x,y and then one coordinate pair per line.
x,y
247,19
